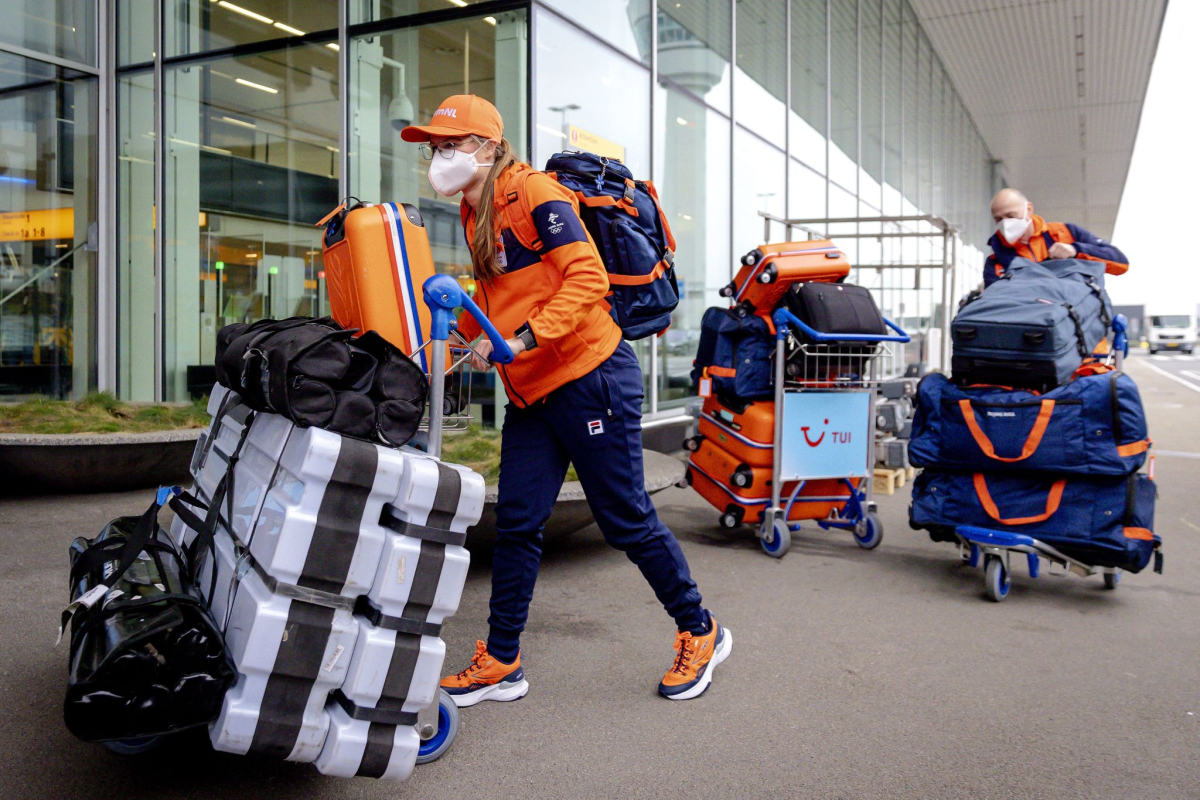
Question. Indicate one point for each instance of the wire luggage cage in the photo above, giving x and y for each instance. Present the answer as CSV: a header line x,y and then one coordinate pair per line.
x,y
812,365
458,379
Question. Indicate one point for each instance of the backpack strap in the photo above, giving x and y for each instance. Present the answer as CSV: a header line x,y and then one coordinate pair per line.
x,y
662,217
513,211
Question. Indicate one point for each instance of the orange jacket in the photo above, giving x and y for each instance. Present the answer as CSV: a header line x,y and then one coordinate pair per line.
x,y
554,281
1087,245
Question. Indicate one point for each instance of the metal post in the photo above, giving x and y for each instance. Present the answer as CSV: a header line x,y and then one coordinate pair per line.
x,y
777,443
869,480
160,239
437,391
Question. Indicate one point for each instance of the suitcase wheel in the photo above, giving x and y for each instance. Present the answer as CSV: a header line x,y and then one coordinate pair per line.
x,y
871,534
447,728
742,477
732,517
778,540
996,575
1111,579
692,443
752,258
135,747
728,290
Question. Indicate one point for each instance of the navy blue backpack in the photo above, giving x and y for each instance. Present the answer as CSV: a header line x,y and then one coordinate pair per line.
x,y
736,352
627,224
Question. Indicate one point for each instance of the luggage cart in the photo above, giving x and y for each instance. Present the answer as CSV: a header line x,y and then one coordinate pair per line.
x,y
993,549
826,383
437,725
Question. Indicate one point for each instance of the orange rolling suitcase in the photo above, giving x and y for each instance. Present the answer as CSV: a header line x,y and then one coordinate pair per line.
x,y
769,269
742,493
747,435
377,260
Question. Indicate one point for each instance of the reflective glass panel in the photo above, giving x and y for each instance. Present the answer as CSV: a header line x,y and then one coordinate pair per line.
x,y
252,164
48,197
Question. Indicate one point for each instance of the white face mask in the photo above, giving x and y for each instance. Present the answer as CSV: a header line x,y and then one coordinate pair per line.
x,y
1011,230
449,176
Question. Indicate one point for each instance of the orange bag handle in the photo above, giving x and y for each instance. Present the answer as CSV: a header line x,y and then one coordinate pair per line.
x,y
638,280
985,444
985,498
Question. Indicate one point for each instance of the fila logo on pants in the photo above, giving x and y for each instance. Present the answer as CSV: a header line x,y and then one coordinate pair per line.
x,y
595,427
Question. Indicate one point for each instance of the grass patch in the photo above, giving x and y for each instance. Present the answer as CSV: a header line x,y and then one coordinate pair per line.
x,y
479,449
100,412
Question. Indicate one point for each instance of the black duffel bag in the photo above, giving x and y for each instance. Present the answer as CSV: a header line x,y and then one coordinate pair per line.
x,y
313,373
835,308
146,656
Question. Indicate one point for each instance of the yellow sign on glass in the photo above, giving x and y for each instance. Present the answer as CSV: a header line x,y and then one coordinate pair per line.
x,y
29,226
579,139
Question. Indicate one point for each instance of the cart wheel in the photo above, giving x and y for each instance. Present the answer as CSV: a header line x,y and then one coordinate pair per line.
x,y
134,747
872,532
1111,579
997,579
432,748
778,541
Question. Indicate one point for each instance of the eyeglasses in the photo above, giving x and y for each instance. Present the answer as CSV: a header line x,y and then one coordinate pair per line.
x,y
445,149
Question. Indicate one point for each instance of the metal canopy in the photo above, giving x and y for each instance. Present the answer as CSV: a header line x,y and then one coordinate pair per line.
x,y
1056,88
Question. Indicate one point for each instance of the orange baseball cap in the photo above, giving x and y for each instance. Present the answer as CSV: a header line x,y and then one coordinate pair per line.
x,y
459,115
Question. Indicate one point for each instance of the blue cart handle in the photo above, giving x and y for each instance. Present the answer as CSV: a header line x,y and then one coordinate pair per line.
x,y
1120,338
443,294
783,318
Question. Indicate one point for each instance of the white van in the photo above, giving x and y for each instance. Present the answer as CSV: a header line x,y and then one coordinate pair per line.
x,y
1173,332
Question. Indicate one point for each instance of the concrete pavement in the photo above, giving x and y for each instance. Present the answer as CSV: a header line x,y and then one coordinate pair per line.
x,y
854,674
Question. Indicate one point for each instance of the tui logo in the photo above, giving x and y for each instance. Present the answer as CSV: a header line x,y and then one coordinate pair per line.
x,y
837,437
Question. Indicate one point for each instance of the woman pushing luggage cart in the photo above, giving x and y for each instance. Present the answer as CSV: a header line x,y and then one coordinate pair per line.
x,y
574,385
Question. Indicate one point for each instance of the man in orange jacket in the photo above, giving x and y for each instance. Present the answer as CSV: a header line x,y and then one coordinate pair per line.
x,y
1020,232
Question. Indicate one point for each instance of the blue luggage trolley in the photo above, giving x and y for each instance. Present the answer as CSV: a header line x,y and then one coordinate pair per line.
x,y
993,549
824,429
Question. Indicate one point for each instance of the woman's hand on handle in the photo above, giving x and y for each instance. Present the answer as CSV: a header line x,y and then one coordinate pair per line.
x,y
484,349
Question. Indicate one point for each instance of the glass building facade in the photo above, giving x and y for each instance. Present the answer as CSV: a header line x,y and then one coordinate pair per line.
x,y
165,160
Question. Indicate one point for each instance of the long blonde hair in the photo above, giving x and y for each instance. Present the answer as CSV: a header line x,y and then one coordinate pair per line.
x,y
483,248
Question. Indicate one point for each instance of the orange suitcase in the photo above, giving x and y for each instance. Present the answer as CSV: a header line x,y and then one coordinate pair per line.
x,y
377,260
769,269
748,435
742,494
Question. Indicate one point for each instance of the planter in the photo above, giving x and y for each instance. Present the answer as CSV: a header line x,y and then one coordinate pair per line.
x,y
115,462
78,463
571,512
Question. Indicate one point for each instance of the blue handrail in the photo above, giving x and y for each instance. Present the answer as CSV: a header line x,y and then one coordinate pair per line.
x,y
783,318
443,294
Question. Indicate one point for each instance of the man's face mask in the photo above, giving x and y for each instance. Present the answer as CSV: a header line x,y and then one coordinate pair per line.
x,y
1011,230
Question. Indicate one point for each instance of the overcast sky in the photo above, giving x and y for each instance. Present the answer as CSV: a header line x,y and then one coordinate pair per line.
x,y
1158,223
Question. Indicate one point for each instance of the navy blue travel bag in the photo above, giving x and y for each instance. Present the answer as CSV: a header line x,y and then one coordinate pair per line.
x,y
736,352
627,223
1094,425
1103,521
1033,327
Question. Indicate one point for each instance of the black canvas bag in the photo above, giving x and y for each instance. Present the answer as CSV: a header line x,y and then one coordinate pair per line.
x,y
313,373
835,308
146,657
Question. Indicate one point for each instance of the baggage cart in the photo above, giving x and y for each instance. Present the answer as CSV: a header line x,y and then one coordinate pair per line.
x,y
824,429
993,549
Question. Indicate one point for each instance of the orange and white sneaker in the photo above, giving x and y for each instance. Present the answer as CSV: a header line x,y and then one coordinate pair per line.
x,y
695,659
487,678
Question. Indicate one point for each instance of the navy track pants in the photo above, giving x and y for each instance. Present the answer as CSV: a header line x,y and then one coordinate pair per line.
x,y
593,422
